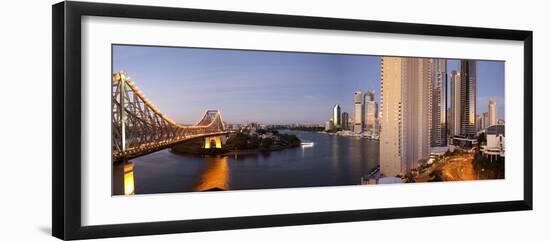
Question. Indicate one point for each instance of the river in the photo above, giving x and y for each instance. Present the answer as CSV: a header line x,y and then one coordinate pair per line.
x,y
332,161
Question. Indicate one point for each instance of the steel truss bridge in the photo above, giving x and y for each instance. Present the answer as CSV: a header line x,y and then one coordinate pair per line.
x,y
139,128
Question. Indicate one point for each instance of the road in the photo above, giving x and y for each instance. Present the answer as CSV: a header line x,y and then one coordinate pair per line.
x,y
454,168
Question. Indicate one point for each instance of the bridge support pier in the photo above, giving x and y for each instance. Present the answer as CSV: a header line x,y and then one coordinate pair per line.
x,y
212,142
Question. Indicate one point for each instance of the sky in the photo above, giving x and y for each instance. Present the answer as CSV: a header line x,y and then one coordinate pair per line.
x,y
264,86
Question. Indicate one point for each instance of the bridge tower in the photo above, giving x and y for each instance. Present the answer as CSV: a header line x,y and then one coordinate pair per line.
x,y
122,96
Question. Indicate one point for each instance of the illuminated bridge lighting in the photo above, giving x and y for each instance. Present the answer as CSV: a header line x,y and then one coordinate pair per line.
x,y
140,128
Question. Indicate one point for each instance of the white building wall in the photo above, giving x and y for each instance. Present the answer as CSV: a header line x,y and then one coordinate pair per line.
x,y
390,116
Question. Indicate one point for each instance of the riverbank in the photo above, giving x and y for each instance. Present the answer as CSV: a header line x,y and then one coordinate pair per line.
x,y
351,134
242,143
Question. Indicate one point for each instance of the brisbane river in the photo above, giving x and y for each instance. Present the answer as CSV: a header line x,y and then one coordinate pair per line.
x,y
331,161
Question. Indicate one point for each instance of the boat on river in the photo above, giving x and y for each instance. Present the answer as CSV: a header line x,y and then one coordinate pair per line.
x,y
307,143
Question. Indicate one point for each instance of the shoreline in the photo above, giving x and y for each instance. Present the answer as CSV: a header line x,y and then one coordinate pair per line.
x,y
220,152
338,134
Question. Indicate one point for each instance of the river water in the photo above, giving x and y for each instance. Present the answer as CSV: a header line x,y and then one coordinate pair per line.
x,y
332,161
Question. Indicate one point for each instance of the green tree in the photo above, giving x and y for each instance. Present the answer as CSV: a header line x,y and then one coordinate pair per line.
x,y
482,138
266,144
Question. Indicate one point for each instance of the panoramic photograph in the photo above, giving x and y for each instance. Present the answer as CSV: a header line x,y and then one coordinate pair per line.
x,y
203,119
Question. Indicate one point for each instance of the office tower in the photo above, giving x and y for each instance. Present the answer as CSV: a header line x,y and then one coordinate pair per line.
x,y
345,121
336,116
485,120
455,103
468,75
438,73
357,112
371,110
406,113
492,112
479,123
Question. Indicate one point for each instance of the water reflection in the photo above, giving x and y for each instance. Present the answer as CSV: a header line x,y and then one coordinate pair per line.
x,y
333,160
123,179
216,174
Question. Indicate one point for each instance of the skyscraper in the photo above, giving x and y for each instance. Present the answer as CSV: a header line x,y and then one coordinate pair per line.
x,y
492,112
438,73
485,120
406,113
329,125
390,116
455,104
449,120
371,110
468,75
417,116
345,121
358,112
479,123
336,116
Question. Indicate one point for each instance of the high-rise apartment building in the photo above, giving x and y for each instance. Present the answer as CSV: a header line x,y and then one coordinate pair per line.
x,y
438,73
449,121
358,112
455,104
492,112
416,102
371,111
479,123
406,93
485,120
390,115
468,75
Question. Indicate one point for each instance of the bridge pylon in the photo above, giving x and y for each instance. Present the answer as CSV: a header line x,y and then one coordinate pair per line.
x,y
139,128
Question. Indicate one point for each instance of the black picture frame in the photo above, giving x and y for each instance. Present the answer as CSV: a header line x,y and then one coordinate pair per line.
x,y
66,122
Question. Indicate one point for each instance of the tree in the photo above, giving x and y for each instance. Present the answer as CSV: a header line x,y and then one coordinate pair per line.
x,y
237,142
437,176
409,178
482,138
266,144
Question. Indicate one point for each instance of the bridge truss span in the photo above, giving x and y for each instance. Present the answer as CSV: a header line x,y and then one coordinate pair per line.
x,y
139,128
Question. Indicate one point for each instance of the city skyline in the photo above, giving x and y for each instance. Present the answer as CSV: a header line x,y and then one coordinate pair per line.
x,y
310,83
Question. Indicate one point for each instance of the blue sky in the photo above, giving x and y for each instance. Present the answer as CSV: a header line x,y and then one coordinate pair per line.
x,y
261,86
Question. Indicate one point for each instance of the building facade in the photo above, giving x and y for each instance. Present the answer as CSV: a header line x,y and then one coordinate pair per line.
x,y
371,112
390,116
479,123
455,104
438,73
485,120
329,125
468,93
417,108
345,121
492,118
336,116
406,113
494,149
358,115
